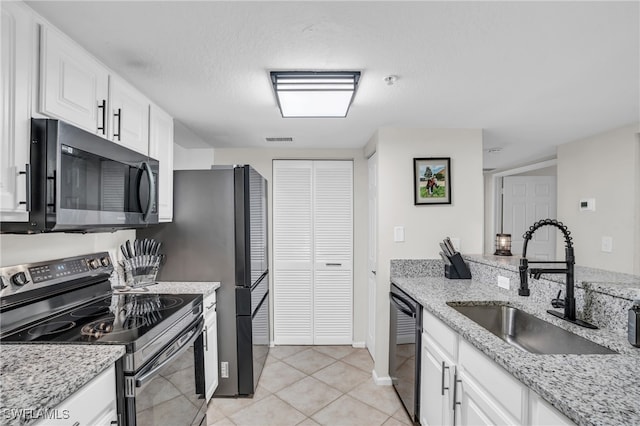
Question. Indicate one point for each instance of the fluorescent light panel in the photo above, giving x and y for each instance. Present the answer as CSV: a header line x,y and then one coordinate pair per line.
x,y
314,93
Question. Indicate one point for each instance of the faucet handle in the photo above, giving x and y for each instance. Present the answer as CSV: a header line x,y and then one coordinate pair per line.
x,y
557,302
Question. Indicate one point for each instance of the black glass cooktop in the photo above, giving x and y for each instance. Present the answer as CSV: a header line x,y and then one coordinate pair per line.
x,y
116,319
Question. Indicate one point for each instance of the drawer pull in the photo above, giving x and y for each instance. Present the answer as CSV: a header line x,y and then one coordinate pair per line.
x,y
443,388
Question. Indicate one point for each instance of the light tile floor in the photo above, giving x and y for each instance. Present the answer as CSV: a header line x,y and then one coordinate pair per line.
x,y
313,385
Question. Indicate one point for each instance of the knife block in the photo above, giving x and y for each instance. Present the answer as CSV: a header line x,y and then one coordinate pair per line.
x,y
458,270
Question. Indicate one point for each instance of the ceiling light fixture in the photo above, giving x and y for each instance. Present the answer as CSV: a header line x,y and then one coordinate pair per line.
x,y
314,94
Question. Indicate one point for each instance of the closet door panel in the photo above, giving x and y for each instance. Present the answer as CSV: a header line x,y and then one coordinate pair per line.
x,y
333,251
293,252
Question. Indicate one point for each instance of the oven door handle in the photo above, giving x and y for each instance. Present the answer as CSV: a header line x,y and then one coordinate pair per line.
x,y
174,350
395,298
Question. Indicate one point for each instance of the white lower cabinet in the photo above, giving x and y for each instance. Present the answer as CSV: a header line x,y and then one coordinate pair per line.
x,y
462,386
210,346
436,376
93,405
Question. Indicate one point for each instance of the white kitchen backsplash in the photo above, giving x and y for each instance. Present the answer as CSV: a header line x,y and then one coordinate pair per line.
x,y
17,249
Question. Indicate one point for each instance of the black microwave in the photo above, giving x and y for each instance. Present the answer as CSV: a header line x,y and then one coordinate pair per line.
x,y
78,181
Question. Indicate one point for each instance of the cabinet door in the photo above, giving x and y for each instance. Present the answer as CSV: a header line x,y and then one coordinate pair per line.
x,y
543,414
333,252
161,148
436,377
211,353
129,116
73,85
16,61
478,407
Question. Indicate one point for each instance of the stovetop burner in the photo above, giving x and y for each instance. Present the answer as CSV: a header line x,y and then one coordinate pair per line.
x,y
91,311
51,328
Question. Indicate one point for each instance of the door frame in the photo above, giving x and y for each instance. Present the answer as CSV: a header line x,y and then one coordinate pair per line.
x,y
496,187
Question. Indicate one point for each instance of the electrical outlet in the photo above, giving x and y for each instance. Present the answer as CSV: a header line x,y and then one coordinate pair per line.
x,y
607,244
504,282
224,370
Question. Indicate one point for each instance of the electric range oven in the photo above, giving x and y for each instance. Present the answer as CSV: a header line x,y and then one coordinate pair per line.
x,y
69,301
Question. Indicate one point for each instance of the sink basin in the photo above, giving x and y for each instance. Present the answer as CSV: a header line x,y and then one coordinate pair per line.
x,y
527,332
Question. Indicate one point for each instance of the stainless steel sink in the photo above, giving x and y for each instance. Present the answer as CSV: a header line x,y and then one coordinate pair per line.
x,y
527,332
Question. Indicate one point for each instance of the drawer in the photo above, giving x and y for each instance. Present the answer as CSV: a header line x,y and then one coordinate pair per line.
x,y
504,389
445,337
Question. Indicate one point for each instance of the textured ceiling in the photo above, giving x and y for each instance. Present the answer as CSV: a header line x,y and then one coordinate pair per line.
x,y
531,74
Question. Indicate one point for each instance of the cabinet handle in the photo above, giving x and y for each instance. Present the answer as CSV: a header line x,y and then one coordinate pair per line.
x,y
103,107
455,392
76,424
27,176
119,115
211,305
206,339
333,264
444,367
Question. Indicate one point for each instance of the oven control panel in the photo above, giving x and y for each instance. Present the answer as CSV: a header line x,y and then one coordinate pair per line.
x,y
31,276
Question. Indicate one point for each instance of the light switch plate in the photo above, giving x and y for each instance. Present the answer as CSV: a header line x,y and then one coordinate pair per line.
x,y
607,244
398,234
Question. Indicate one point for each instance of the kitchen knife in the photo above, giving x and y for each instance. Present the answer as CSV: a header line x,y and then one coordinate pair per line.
x,y
446,250
124,252
445,258
157,251
129,251
450,246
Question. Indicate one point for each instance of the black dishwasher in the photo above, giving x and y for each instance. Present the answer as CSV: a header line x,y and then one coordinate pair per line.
x,y
405,330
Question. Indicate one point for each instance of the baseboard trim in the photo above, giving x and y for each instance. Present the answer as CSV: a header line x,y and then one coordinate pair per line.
x,y
381,381
359,345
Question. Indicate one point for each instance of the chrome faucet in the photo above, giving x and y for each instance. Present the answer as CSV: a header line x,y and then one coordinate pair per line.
x,y
569,302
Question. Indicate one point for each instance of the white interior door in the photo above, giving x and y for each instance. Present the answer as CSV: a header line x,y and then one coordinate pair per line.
x,y
527,199
292,252
372,258
333,252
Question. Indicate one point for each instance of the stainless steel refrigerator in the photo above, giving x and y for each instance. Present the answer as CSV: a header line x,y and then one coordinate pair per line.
x,y
219,233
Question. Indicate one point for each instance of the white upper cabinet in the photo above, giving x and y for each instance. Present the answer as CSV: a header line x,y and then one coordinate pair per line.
x,y
15,108
73,85
161,148
129,116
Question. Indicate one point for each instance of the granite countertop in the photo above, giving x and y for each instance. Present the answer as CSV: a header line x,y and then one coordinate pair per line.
x,y
607,282
35,377
176,287
589,389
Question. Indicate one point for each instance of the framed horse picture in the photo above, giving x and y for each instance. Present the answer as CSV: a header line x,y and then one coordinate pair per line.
x,y
431,181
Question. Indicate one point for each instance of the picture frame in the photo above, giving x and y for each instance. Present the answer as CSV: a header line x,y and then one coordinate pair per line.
x,y
431,181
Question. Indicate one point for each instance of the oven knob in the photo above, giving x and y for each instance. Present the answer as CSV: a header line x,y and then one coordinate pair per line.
x,y
105,261
19,278
94,263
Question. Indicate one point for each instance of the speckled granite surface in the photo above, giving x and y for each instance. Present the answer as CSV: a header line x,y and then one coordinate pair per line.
x,y
37,377
416,267
174,287
589,389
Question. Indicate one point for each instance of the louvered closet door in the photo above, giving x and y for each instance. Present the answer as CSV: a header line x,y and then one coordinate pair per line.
x,y
333,252
293,252
313,252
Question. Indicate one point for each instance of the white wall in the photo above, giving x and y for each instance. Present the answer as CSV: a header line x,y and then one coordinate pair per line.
x,y
425,226
604,167
262,161
17,249
192,158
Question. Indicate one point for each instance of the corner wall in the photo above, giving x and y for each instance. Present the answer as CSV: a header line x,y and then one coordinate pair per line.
x,y
262,161
604,167
425,226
